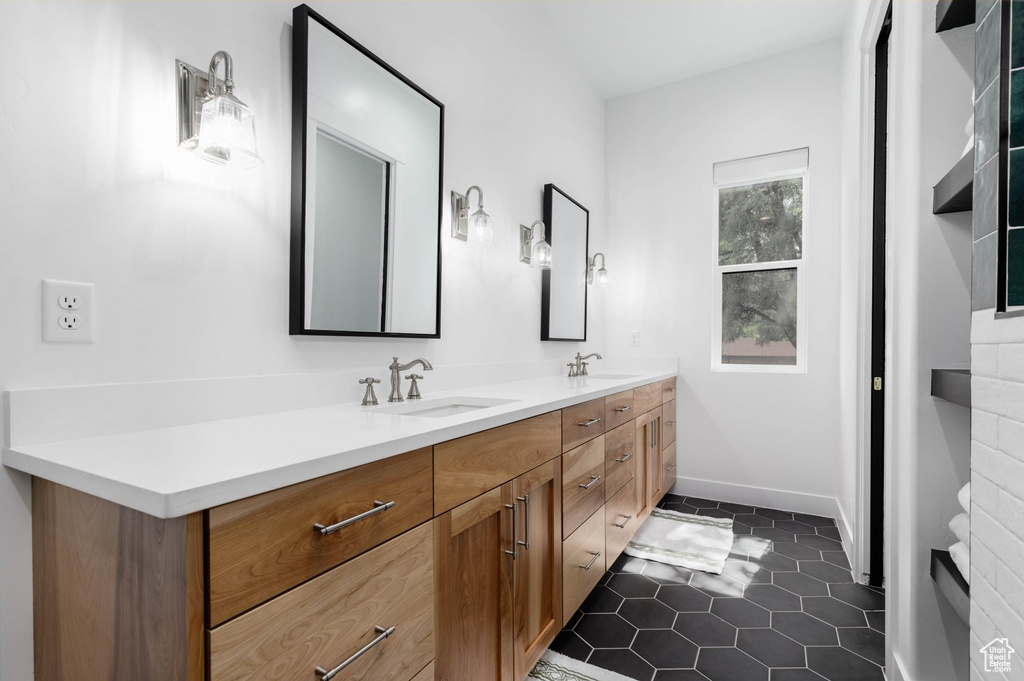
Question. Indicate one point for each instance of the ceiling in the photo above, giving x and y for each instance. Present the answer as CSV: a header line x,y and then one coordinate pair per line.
x,y
625,46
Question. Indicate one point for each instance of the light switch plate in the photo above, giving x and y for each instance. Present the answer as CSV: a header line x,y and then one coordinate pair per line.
x,y
60,325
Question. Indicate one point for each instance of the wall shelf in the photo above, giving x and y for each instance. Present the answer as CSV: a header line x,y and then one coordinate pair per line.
x,y
951,583
955,192
952,385
953,14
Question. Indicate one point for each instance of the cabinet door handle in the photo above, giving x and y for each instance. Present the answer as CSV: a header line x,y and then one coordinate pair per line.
x,y
626,457
650,429
378,507
514,507
382,634
526,514
593,479
657,428
624,522
587,424
623,410
596,555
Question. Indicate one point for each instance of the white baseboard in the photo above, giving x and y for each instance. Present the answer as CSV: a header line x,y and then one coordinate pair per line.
x,y
797,502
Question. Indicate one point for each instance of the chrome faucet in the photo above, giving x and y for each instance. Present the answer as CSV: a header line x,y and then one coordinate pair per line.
x,y
396,376
579,368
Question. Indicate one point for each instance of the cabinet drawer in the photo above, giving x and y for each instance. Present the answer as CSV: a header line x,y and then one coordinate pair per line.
x,y
620,521
646,397
582,422
668,462
469,466
618,409
668,389
266,544
668,423
327,620
619,458
583,563
582,484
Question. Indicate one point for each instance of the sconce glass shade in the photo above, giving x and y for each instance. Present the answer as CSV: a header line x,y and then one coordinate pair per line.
x,y
481,229
227,133
602,277
540,256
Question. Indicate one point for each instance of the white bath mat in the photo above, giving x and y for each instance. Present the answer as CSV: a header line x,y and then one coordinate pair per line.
x,y
691,541
555,667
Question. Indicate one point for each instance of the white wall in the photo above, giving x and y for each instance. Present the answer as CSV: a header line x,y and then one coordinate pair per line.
x,y
190,261
762,430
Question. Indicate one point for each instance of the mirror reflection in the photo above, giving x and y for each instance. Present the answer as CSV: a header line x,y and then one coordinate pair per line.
x,y
564,286
366,230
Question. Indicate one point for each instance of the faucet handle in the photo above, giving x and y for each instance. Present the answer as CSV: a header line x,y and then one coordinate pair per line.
x,y
572,369
414,389
369,398
583,368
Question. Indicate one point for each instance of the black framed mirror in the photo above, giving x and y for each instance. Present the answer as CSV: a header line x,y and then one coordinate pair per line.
x,y
563,302
367,165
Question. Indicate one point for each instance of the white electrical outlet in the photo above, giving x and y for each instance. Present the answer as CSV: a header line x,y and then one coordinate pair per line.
x,y
634,339
69,312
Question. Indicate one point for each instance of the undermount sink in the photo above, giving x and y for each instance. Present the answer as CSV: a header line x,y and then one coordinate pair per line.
x,y
443,406
611,377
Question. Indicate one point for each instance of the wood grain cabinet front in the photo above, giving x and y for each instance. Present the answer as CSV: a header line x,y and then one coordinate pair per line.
x,y
618,409
499,579
263,545
668,423
668,464
582,484
582,422
668,389
583,563
620,521
619,458
371,618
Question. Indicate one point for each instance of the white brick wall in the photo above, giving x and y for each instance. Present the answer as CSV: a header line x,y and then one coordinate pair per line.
x,y
997,490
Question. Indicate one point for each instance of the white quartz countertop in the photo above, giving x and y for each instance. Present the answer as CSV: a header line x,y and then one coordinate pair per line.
x,y
171,472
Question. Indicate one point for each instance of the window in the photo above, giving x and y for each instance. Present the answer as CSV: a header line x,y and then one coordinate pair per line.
x,y
760,256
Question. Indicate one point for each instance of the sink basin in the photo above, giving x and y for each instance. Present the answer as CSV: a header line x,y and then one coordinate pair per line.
x,y
611,377
443,406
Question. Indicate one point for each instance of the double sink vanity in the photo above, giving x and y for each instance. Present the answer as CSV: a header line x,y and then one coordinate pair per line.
x,y
446,538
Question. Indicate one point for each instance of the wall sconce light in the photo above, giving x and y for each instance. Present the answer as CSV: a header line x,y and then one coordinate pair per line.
x,y
602,273
536,255
476,227
211,120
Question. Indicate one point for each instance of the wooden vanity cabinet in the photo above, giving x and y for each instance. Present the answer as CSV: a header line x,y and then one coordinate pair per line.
x,y
647,442
582,422
498,581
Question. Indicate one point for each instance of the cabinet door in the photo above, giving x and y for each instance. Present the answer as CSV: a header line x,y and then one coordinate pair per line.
x,y
647,442
668,463
473,546
538,566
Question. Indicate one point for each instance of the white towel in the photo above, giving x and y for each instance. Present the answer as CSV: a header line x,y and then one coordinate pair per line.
x,y
964,497
962,557
961,527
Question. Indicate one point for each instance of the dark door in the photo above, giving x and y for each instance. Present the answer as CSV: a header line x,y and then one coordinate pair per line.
x,y
877,478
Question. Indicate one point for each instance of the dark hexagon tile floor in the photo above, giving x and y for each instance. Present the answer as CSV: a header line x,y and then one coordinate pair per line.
x,y
785,608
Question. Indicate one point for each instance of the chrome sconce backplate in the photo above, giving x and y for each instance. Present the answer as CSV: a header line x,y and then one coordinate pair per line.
x,y
460,217
525,244
192,84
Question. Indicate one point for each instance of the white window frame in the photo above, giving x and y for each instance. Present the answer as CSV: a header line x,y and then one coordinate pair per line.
x,y
800,265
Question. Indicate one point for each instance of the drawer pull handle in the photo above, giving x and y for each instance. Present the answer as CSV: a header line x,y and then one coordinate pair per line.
x,y
515,531
671,390
625,458
526,514
670,423
593,479
596,555
378,507
670,468
623,410
382,634
587,424
624,522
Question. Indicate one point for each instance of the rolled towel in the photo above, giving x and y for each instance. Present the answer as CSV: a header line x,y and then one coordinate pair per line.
x,y
961,527
962,558
964,497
